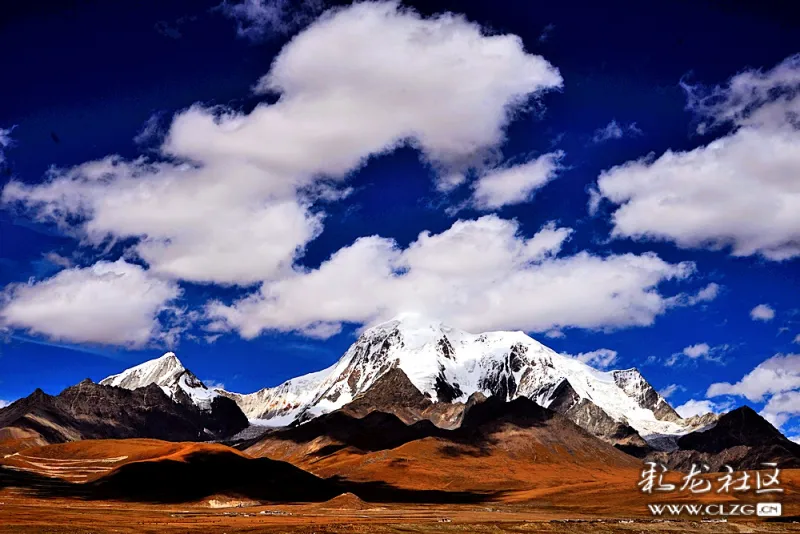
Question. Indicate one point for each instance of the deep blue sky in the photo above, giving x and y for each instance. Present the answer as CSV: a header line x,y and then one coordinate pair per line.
x,y
82,78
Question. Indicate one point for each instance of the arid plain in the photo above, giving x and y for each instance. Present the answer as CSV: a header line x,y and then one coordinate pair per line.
x,y
71,488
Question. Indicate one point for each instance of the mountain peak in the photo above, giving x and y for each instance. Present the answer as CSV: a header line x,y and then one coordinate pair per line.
x,y
169,357
168,373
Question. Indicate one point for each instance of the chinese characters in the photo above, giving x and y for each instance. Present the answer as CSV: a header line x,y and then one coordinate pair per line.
x,y
652,480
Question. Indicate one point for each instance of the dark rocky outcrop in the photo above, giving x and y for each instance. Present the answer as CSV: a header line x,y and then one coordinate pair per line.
x,y
89,411
740,438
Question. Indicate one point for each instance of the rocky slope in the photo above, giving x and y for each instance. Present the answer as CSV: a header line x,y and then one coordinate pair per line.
x,y
740,438
499,444
88,410
446,366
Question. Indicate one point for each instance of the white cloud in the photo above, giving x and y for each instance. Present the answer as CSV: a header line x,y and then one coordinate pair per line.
x,y
777,374
797,339
194,223
613,130
257,19
358,82
108,303
555,334
707,294
751,98
762,312
781,407
4,403
699,351
739,191
515,184
669,390
599,359
796,438
477,275
695,351
700,407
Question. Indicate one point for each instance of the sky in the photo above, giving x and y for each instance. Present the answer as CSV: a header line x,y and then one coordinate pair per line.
x,y
250,184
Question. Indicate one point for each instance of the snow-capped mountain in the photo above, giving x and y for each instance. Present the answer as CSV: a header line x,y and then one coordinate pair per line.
x,y
449,365
168,373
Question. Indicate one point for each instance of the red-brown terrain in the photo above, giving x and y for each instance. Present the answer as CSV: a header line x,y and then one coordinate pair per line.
x,y
509,467
390,461
41,491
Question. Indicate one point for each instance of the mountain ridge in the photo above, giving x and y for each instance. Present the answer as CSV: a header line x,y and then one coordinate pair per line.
x,y
88,410
447,365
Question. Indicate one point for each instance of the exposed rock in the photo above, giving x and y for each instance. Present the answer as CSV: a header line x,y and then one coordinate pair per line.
x,y
740,438
89,410
633,383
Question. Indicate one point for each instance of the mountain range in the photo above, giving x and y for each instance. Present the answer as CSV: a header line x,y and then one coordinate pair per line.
x,y
446,366
408,383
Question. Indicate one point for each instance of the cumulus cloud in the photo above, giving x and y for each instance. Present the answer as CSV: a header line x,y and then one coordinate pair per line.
x,y
600,358
778,374
515,184
781,407
115,303
669,390
4,403
738,192
237,198
193,223
477,275
613,130
762,312
694,407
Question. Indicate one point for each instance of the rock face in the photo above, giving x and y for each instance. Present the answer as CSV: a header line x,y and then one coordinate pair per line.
x,y
395,394
740,438
88,410
586,414
633,383
446,366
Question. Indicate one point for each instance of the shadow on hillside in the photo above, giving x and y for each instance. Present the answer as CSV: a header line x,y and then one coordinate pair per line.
x,y
202,475
381,431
